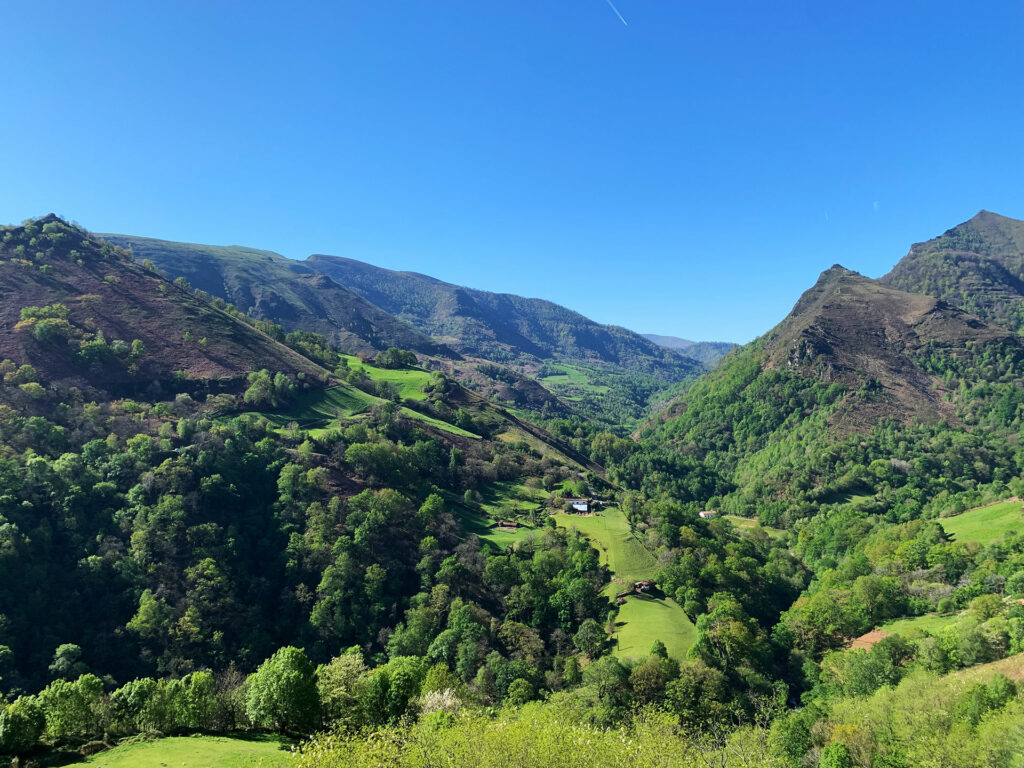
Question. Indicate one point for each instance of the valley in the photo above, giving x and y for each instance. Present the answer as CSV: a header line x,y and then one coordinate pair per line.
x,y
269,496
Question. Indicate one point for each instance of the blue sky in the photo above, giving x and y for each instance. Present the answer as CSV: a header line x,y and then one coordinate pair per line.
x,y
689,172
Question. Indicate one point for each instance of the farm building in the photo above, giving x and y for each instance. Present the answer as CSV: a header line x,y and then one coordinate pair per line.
x,y
707,514
579,505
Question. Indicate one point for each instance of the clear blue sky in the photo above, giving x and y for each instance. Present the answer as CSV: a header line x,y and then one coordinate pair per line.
x,y
689,174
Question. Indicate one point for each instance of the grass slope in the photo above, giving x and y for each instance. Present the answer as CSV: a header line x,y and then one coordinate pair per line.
x,y
931,623
641,621
506,500
986,524
318,410
408,381
195,752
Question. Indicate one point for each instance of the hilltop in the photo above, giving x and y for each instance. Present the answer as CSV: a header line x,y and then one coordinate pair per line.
x,y
870,340
858,332
80,310
977,266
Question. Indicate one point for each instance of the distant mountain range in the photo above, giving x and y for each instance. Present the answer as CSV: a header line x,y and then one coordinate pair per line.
x,y
363,308
706,352
269,286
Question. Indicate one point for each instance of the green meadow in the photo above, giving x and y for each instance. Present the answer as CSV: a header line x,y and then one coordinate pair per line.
x,y
502,501
641,620
985,524
318,410
931,623
195,752
408,381
572,381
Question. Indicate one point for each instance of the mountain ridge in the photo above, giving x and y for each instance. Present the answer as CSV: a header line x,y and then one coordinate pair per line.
x,y
977,265
270,286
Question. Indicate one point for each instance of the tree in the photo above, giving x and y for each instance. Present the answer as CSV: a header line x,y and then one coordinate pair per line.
x,y
67,663
590,638
393,357
282,692
519,692
21,725
835,756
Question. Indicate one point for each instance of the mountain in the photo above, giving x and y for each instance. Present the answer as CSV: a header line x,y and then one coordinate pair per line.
x,y
977,266
861,334
500,326
708,353
80,310
855,371
271,287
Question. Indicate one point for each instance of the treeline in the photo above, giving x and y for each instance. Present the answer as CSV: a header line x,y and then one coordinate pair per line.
x,y
924,721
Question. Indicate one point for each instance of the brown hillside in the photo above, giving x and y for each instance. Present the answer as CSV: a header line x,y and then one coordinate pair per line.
x,y
853,330
104,296
977,266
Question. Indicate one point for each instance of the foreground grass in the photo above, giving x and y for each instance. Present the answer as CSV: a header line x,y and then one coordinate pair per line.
x,y
985,524
196,752
641,621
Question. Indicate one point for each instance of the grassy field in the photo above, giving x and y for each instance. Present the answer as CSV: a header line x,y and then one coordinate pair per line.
x,y
641,621
985,524
502,501
572,381
506,499
195,752
408,381
317,411
751,524
929,622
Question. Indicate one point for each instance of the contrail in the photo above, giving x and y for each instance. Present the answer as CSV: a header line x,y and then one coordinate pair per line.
x,y
612,6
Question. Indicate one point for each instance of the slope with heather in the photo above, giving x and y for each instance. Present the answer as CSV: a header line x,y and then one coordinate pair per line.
x,y
80,310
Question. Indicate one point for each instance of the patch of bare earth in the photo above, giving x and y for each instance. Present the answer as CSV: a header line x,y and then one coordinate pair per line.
x,y
871,638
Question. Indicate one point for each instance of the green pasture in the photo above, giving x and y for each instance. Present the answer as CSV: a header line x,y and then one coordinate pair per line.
x,y
641,621
316,411
932,623
752,524
572,378
195,752
985,524
408,381
502,501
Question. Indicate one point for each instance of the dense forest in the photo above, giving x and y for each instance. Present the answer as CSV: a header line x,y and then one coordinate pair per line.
x,y
225,525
